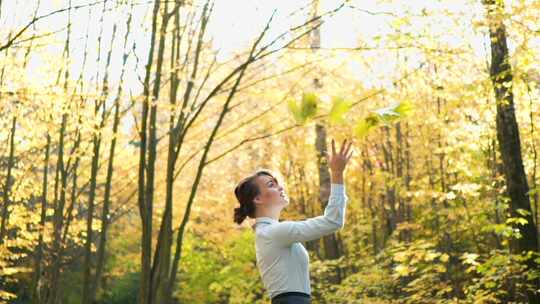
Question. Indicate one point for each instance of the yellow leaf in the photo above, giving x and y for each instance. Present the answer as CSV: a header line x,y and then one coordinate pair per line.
x,y
431,256
400,256
444,257
339,108
403,270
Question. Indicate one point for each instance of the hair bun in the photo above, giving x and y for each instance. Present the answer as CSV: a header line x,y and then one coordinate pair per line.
x,y
239,215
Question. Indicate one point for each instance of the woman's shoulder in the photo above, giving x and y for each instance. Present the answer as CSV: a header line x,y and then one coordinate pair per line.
x,y
264,232
261,229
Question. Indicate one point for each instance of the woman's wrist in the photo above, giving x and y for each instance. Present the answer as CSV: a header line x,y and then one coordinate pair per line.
x,y
336,177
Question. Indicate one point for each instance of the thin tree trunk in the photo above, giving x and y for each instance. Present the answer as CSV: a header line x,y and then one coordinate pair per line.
x,y
434,205
89,282
8,182
162,256
331,251
399,179
447,238
152,145
367,193
61,176
60,185
39,249
73,170
389,165
34,292
105,220
408,179
331,243
74,187
145,210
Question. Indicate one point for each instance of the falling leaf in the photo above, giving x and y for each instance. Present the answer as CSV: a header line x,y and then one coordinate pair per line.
x,y
307,108
309,105
293,108
365,125
340,106
404,108
387,114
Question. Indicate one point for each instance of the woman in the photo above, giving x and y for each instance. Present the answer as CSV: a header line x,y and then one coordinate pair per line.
x,y
282,260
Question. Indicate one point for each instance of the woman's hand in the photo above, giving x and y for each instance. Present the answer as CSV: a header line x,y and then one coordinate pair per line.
x,y
338,161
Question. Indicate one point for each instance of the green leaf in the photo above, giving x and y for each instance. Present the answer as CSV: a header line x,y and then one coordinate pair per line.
x,y
293,108
340,106
388,114
309,105
364,125
404,108
517,220
307,108
523,212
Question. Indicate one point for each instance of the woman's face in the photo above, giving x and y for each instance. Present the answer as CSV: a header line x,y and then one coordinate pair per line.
x,y
271,193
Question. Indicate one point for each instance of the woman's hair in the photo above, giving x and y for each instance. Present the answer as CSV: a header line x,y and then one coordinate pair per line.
x,y
246,190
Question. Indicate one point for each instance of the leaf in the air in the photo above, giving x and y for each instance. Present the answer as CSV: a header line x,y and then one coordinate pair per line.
x,y
309,105
364,125
297,115
404,108
340,106
388,114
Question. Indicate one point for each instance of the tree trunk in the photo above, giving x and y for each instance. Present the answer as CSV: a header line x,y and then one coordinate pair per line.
x,y
39,249
8,182
331,250
162,256
58,218
105,220
509,139
203,162
51,293
145,210
331,245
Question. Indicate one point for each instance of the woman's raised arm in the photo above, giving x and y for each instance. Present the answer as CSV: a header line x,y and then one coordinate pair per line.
x,y
287,232
333,219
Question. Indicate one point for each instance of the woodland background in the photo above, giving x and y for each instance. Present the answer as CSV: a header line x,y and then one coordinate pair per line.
x,y
126,124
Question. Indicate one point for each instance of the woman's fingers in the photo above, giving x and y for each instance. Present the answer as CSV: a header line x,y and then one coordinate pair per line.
x,y
350,155
348,148
343,146
345,149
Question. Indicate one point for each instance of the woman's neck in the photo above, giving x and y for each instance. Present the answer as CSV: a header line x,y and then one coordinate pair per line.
x,y
269,213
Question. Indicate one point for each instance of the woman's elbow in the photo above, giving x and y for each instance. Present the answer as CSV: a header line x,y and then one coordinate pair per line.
x,y
337,224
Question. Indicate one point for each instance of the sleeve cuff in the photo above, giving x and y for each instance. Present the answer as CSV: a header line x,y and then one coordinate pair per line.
x,y
337,189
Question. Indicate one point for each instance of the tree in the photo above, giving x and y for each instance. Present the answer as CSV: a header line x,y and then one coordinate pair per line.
x,y
509,138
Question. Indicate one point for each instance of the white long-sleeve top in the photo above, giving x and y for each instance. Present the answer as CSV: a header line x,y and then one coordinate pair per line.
x,y
282,260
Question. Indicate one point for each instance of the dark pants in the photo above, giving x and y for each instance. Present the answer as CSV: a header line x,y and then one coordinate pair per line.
x,y
291,298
